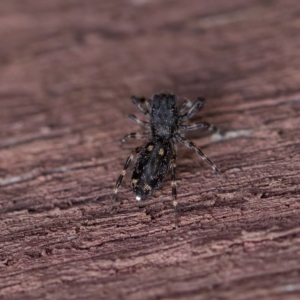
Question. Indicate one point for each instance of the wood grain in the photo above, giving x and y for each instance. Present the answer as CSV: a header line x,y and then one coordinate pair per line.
x,y
67,71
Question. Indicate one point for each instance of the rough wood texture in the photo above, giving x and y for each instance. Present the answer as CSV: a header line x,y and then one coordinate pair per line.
x,y
67,71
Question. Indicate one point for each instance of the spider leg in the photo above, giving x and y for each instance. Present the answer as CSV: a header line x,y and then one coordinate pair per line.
x,y
191,145
139,122
137,101
133,135
174,191
186,103
197,105
119,181
199,125
149,103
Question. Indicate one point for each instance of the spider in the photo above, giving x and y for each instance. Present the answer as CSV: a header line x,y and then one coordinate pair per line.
x,y
158,155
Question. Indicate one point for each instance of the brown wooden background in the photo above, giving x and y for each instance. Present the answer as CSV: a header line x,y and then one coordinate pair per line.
x,y
67,71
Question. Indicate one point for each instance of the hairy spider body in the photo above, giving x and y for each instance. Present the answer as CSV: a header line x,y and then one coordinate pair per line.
x,y
151,167
159,155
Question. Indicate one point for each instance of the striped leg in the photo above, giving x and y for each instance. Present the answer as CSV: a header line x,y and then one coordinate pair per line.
x,y
129,159
185,103
137,101
149,104
133,135
191,145
197,105
137,121
174,191
199,125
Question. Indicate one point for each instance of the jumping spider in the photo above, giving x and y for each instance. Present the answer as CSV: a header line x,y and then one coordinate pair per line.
x,y
158,154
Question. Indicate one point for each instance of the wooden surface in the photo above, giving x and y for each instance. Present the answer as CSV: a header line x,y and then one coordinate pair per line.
x,y
67,71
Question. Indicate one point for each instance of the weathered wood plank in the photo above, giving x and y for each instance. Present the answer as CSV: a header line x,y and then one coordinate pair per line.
x,y
67,71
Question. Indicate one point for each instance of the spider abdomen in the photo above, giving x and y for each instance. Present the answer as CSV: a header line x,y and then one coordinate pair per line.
x,y
151,168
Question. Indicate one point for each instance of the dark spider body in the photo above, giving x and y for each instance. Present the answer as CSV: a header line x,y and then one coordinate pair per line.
x,y
158,155
154,160
151,168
